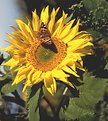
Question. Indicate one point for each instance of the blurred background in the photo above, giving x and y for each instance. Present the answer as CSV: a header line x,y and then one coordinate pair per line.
x,y
10,10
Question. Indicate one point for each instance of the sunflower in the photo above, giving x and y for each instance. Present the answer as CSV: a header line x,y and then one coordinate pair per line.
x,y
34,62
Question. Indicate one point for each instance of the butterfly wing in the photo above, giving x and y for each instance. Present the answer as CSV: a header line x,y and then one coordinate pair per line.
x,y
44,33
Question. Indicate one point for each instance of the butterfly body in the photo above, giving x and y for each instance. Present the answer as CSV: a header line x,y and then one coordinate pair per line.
x,y
44,35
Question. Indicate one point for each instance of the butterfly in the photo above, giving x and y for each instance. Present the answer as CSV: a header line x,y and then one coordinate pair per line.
x,y
44,35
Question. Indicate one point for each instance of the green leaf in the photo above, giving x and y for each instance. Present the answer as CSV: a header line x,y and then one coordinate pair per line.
x,y
7,73
99,7
91,92
0,96
32,105
3,77
8,88
106,66
6,69
68,18
91,4
76,111
61,114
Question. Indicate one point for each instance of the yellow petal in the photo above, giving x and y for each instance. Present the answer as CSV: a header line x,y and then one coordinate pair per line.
x,y
59,73
16,44
18,79
29,80
36,75
20,37
8,49
18,55
28,83
23,70
52,20
83,35
35,21
30,74
79,66
12,63
72,65
67,69
50,83
13,27
86,44
22,61
64,80
77,44
59,26
26,30
64,62
80,61
45,15
20,69
47,74
66,29
87,50
72,33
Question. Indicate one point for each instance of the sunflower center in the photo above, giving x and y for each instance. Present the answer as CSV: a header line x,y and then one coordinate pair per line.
x,y
44,54
46,58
